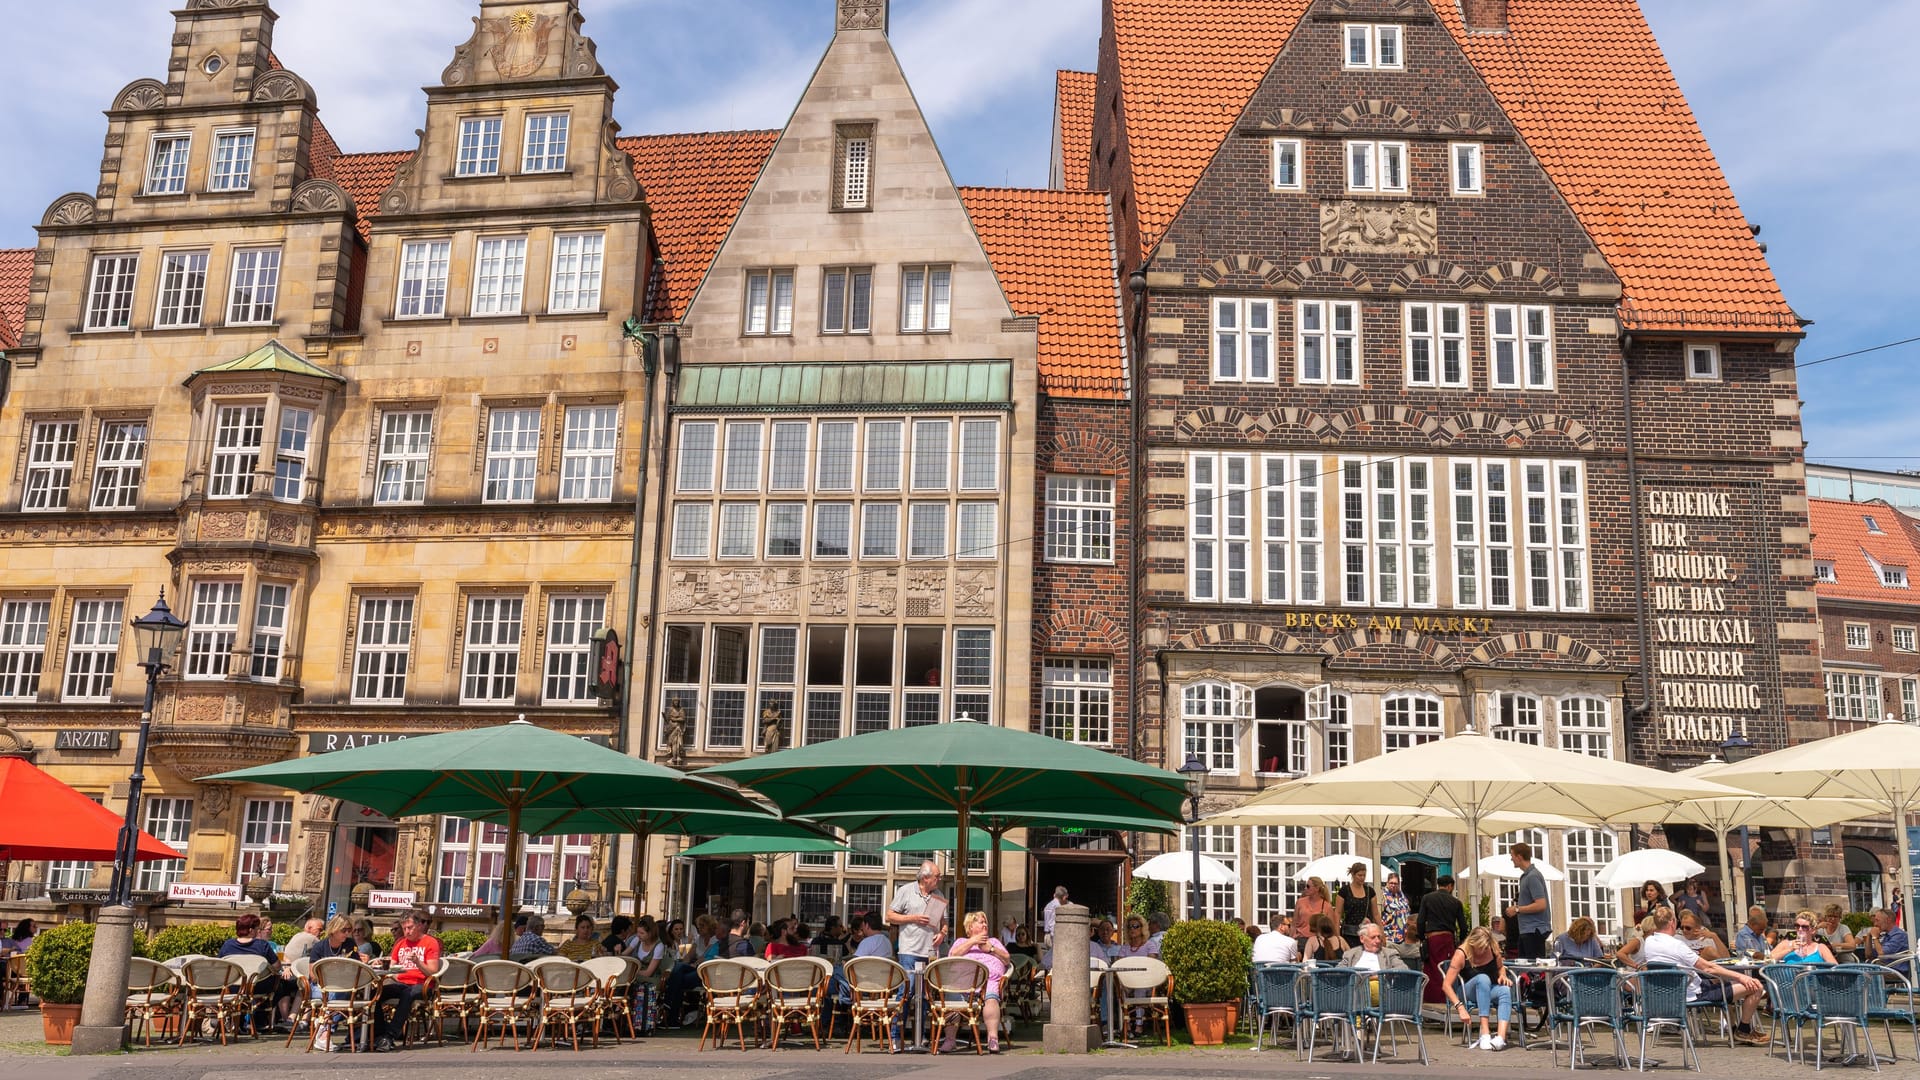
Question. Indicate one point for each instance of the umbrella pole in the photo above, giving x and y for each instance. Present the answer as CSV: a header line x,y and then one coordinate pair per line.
x,y
993,878
1900,806
1726,886
510,877
959,907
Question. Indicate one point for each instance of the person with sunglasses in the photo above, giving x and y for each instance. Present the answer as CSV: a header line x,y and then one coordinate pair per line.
x,y
1804,948
1136,941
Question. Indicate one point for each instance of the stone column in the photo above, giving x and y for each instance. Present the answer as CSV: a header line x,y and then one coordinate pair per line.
x,y
103,1014
1070,1029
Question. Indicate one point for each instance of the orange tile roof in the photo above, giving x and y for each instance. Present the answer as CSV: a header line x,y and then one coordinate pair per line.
x,y
16,274
1585,83
1073,96
695,185
367,177
1053,252
1841,537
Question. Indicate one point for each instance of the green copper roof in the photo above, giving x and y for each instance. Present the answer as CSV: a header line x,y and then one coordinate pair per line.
x,y
272,356
798,386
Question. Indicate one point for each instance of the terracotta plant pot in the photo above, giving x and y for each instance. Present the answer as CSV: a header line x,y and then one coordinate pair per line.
x,y
57,1021
1208,1023
1233,1016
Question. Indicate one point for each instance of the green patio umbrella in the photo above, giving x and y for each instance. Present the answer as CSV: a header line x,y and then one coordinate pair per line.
x,y
962,768
763,847
948,839
503,769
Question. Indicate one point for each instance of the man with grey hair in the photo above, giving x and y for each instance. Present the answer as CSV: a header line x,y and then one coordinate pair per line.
x,y
533,943
1047,916
1886,939
301,943
1752,935
919,911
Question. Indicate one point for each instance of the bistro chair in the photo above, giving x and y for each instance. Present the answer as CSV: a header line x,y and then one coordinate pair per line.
x,y
1662,1003
614,975
733,998
14,987
1886,989
456,995
1839,999
1583,998
877,984
153,995
1400,994
1145,984
956,992
796,990
569,994
1332,996
216,994
1788,1002
506,998
259,970
1275,998
339,989
1020,991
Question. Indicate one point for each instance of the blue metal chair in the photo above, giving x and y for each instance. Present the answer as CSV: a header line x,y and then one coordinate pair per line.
x,y
1332,995
1663,1004
1275,999
1787,1000
1400,994
1886,989
1839,998
1581,998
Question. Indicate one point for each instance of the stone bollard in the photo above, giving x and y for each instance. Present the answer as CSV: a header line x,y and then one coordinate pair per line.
x,y
103,1014
1070,1029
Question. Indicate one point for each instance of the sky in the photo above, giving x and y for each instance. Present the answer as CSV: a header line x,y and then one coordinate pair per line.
x,y
1804,108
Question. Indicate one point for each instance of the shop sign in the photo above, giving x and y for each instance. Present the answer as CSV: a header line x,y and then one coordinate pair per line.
x,y
86,739
326,742
461,911
388,899
220,893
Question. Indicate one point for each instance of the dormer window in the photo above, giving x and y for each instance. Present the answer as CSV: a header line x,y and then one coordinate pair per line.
x,y
852,166
1873,526
1824,572
1373,45
167,164
1893,577
479,151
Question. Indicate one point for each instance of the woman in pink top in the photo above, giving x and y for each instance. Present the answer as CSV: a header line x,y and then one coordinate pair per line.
x,y
982,947
1313,901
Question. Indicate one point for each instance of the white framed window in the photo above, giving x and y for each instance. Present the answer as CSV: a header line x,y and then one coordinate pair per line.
x,y
513,454
769,305
927,531
266,828
23,646
93,650
932,454
578,264
406,453
788,464
1327,341
571,623
212,628
1076,700
588,444
739,530
269,631
740,467
423,279
499,275
1436,344
1338,725
979,455
1588,852
846,300
170,821
1893,577
1408,720
490,669
1517,718
1287,173
786,530
926,299
1212,715
880,530
1376,166
382,649
1910,699
1468,176
110,292
1242,340
290,458
1279,852
478,153
833,458
978,531
1703,361
51,450
1520,340
1079,519
1585,726
238,433
1903,639
69,873
1220,527
697,445
1222,844
1852,696
832,530
1824,571
253,286
1372,45
183,289
232,160
1859,635
545,147
167,154
974,663
692,529
883,455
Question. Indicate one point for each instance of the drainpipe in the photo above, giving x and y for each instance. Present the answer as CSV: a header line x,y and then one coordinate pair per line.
x,y
1645,707
669,361
1136,500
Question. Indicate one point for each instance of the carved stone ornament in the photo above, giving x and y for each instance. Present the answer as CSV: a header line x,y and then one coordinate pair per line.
x,y
1354,228
280,85
863,14
74,209
197,5
321,197
517,45
674,734
142,94
14,744
213,802
621,185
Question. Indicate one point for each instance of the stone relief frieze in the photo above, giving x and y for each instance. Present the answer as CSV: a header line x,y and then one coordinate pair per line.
x,y
1355,228
974,591
926,593
829,593
880,592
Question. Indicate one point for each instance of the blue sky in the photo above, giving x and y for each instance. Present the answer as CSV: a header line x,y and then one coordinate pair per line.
x,y
1802,100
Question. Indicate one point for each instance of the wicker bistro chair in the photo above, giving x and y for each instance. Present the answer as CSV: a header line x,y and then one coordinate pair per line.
x,y
1020,992
1334,996
1890,997
339,989
1583,998
1839,998
1275,999
216,993
1662,1003
1145,983
153,994
957,993
733,998
14,987
258,970
796,993
456,996
878,985
569,996
614,975
1400,994
506,998
829,1007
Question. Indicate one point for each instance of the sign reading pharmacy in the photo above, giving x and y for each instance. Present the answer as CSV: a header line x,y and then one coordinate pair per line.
x,y
1705,681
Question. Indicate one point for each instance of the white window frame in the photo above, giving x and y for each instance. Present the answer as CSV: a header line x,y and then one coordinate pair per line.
x,y
167,169
589,444
110,290
212,628
698,456
739,531
880,530
490,654
513,454
1213,714
979,455
1853,695
271,601
1421,719
927,531
1585,724
232,172
572,620
833,524
926,299
239,437
1376,166
926,459
1289,156
1322,328
1587,852
180,296
1522,340
1702,361
24,623
382,649
1893,577
499,275
883,456
1517,717
168,819
835,456
543,149
1076,699
293,454
477,146
1466,168
1903,638
1080,519
767,307
579,266
421,292
846,300
266,831
740,459
977,531
973,667
781,517
404,462
1863,639
1371,38
789,458
1824,571
53,453
253,286
93,650
1243,340
1442,330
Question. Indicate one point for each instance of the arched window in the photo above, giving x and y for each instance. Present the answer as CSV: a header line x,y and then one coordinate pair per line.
x,y
1409,720
1210,713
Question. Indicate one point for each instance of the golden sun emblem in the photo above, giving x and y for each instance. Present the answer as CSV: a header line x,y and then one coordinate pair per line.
x,y
522,21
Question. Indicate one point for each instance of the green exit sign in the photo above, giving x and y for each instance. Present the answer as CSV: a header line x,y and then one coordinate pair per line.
x,y
1073,832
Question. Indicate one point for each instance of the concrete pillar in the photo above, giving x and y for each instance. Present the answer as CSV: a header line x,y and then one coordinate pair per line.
x,y
1070,1030
103,1014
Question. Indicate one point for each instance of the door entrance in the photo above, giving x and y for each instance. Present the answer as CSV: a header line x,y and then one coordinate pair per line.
x,y
1418,875
1092,878
363,850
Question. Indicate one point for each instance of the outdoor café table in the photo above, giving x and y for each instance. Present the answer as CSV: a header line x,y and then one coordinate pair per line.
x,y
1529,975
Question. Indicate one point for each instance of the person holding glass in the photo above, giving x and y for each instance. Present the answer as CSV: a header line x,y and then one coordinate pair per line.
x,y
1804,948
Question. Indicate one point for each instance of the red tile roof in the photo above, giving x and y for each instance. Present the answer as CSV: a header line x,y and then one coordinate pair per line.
x,y
695,185
1841,537
16,274
367,177
1053,252
1073,96
1585,83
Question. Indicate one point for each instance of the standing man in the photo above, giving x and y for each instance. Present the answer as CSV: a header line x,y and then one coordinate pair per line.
x,y
1047,916
919,911
415,959
1440,926
1528,916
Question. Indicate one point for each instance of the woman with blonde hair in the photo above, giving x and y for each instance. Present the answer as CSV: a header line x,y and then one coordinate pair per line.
x,y
1480,974
982,947
1804,948
1580,942
1629,952
1313,901
1832,930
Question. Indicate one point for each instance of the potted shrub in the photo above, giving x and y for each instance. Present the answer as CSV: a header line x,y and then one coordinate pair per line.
x,y
1210,962
57,967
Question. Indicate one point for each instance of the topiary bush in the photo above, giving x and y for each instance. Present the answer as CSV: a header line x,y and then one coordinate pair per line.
x,y
57,963
1856,921
384,942
283,931
454,941
189,939
1210,960
1146,896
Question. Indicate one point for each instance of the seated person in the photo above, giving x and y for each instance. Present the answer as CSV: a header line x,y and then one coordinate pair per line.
x,y
1628,954
1833,930
983,948
532,944
272,985
1477,971
414,960
1023,943
1276,946
581,947
1804,948
1580,942
1664,946
1700,939
1884,940
1751,939
1324,943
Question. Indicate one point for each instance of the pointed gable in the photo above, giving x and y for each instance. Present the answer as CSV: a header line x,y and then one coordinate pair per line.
x,y
1844,536
695,185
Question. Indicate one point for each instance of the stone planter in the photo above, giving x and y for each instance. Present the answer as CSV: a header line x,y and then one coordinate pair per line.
x,y
1209,1023
57,1022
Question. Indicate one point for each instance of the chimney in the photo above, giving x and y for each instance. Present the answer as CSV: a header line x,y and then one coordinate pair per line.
x,y
861,15
1484,16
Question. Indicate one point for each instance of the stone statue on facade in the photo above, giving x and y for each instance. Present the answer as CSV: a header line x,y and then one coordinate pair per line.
x,y
675,734
771,738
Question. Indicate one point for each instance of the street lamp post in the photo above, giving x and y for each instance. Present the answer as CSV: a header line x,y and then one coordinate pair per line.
x,y
155,634
1735,749
1195,772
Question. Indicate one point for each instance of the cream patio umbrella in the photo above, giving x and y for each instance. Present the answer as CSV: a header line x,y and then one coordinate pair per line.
x,y
1476,777
1877,764
1724,814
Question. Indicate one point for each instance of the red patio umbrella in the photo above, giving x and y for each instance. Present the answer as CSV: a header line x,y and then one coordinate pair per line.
x,y
42,818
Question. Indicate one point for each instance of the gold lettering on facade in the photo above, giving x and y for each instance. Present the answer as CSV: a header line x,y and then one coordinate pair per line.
x,y
1694,616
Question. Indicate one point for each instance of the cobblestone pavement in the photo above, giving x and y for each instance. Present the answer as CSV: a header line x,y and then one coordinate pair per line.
x,y
674,1057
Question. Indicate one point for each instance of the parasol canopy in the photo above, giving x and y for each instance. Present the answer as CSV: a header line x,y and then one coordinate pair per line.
x,y
42,818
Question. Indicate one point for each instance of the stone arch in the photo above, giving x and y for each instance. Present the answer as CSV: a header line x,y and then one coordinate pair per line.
x,y
1230,265
1464,124
75,208
1453,427
1430,649
1365,416
1372,113
1237,633
1438,271
1288,120
1075,625
321,197
1522,275
1085,445
1552,424
1305,420
1574,652
281,85
1351,276
1191,425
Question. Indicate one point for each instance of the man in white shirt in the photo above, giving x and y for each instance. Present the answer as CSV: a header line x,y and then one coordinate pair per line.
x,y
872,940
1276,946
1047,915
1663,946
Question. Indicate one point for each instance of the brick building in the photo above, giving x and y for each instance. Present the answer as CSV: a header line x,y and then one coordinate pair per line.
x,y
1421,406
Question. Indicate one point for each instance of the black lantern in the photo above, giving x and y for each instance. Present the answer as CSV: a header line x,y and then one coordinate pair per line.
x,y
157,633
